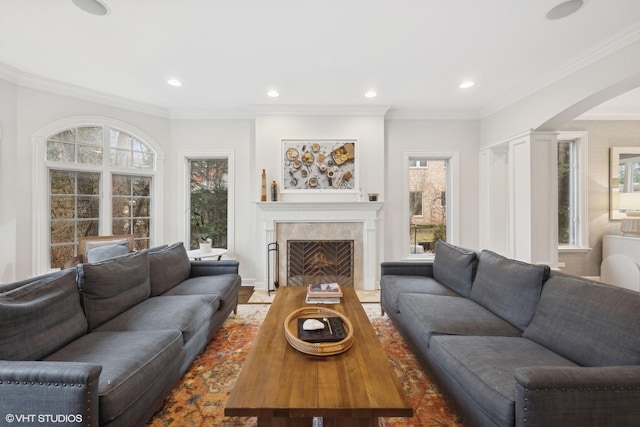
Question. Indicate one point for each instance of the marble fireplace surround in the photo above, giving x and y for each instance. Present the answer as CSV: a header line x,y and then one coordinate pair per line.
x,y
356,221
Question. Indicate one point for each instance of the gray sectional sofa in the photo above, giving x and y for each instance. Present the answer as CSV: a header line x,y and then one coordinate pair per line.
x,y
103,344
514,344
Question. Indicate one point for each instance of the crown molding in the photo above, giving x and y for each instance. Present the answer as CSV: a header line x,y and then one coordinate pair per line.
x,y
10,74
318,110
211,114
632,115
32,81
619,41
419,114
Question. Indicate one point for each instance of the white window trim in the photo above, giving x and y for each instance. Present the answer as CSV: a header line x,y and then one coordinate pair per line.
x,y
581,150
40,200
183,208
452,204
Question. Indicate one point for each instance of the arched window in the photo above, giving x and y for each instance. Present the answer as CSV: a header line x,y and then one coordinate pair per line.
x,y
101,179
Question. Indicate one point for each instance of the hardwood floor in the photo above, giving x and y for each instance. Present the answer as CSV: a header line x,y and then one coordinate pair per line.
x,y
245,294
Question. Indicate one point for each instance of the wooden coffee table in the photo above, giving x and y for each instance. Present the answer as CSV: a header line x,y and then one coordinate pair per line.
x,y
284,387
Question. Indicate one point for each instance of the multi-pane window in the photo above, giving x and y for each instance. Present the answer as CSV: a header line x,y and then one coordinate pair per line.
x,y
127,151
79,145
209,194
75,210
131,207
427,203
80,174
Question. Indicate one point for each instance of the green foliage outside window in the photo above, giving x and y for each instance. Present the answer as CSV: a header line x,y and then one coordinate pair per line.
x,y
209,197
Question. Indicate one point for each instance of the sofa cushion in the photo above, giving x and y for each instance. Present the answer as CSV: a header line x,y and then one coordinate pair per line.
x,y
185,313
224,286
428,315
104,241
392,286
110,287
168,266
131,363
590,323
40,316
483,367
455,267
104,252
509,288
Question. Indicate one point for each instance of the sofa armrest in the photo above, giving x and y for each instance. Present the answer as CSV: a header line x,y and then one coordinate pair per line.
x,y
213,268
46,392
407,268
577,396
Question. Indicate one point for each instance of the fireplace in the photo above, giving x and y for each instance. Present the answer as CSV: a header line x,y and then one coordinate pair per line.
x,y
356,221
319,261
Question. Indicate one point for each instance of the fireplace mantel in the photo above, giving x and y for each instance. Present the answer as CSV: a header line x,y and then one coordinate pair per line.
x,y
319,206
366,213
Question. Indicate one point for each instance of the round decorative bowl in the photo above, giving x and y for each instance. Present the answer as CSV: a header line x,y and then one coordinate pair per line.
x,y
317,349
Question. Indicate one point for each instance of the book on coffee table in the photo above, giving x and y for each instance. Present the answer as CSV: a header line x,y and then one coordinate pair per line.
x,y
325,290
321,300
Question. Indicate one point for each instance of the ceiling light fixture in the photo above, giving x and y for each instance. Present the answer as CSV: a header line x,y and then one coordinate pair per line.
x,y
174,82
273,93
371,94
565,9
94,7
466,84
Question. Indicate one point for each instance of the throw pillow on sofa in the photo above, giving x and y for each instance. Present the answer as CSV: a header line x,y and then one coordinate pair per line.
x,y
168,266
40,316
508,288
455,267
110,287
104,252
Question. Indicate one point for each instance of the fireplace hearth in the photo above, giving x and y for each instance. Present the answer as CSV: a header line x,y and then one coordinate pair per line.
x,y
319,261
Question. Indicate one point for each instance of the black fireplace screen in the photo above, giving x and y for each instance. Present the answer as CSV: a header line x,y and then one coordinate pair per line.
x,y
319,261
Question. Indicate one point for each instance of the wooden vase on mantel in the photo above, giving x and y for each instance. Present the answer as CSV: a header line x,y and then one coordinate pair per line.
x,y
205,246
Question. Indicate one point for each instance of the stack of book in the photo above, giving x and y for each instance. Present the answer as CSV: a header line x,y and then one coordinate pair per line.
x,y
324,293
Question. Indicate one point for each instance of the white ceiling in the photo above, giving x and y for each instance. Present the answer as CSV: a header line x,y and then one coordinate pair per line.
x,y
229,53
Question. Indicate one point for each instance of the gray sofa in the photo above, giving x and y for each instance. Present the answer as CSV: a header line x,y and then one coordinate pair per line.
x,y
513,343
102,344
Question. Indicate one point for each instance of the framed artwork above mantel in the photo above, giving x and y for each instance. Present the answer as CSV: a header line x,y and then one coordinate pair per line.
x,y
319,165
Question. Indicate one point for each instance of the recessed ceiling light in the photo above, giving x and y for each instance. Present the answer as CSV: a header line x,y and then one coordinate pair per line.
x,y
466,84
371,94
174,82
94,7
565,9
273,93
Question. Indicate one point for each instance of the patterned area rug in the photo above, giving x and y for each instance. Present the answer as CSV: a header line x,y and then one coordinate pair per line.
x,y
199,398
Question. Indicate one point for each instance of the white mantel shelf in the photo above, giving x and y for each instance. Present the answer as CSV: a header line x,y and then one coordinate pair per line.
x,y
319,206
367,213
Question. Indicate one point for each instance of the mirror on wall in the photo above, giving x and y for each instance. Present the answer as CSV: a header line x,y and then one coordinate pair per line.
x,y
624,180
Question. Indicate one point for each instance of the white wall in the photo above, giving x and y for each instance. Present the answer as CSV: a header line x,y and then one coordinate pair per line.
x,y
8,174
210,137
432,136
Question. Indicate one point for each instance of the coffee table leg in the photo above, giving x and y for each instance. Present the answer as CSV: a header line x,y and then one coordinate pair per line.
x,y
284,422
350,422
322,422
